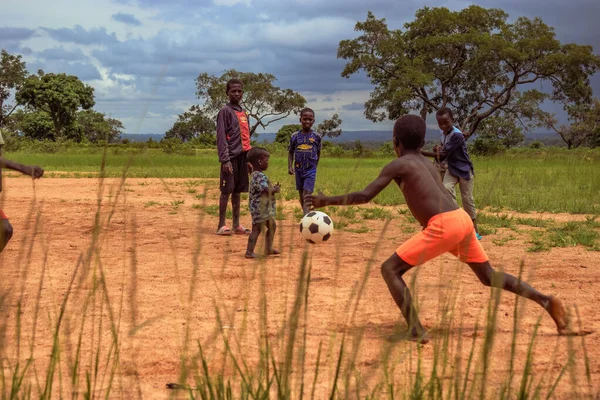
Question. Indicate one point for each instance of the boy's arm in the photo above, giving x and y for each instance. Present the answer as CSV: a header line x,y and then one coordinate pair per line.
x,y
222,146
291,156
389,172
32,170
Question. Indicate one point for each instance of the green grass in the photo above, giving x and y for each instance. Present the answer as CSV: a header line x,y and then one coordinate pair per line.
x,y
544,180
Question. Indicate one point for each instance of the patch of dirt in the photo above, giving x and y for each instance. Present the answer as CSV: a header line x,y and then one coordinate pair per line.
x,y
157,242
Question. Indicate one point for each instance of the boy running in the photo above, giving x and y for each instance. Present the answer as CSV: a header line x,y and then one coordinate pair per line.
x,y
6,229
233,143
304,153
447,228
261,202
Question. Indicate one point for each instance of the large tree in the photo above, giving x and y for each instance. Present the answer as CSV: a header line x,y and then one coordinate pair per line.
x,y
473,61
59,95
191,124
12,75
264,102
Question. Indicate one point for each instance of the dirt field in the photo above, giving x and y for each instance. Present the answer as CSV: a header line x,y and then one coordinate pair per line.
x,y
150,228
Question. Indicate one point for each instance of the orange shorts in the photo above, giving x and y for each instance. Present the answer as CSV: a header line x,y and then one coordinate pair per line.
x,y
452,232
2,215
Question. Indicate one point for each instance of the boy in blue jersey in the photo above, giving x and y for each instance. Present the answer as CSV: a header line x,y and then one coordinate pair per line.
x,y
453,151
304,154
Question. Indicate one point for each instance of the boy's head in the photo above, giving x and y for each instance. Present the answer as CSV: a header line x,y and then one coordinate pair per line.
x,y
235,90
444,118
307,118
409,133
258,157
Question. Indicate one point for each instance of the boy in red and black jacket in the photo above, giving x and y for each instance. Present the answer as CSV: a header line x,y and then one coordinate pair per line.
x,y
233,143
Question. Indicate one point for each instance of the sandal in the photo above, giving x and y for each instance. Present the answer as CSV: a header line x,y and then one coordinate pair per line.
x,y
224,231
240,230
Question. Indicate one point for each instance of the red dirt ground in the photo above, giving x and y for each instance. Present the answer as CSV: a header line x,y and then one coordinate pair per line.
x,y
149,229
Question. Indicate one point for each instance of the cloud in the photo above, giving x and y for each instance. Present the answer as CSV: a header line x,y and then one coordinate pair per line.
x,y
127,19
79,35
60,53
14,33
353,107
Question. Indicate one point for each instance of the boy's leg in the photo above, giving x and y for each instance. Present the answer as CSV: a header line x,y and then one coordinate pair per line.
x,y
252,239
235,208
270,237
301,196
489,277
450,181
308,186
6,232
392,270
468,202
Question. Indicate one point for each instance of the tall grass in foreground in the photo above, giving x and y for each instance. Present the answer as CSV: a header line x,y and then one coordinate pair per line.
x,y
91,333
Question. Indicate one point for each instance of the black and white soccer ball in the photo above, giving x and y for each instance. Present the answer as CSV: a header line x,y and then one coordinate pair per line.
x,y
316,227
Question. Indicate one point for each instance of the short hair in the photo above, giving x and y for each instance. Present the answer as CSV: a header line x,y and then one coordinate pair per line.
x,y
410,131
444,111
255,153
233,81
305,110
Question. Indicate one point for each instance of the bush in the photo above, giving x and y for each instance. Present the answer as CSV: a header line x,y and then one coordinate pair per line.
x,y
486,147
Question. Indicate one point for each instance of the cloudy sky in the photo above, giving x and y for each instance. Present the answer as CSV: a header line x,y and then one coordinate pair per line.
x,y
142,56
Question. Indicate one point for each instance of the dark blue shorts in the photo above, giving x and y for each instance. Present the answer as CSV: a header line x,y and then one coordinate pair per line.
x,y
305,179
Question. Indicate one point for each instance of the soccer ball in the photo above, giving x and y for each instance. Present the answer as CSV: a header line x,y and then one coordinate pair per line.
x,y
316,227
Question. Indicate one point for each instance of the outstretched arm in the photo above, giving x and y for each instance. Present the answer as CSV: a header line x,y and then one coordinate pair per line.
x,y
389,172
32,170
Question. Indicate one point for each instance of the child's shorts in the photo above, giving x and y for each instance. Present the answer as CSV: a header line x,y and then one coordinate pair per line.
x,y
451,232
305,179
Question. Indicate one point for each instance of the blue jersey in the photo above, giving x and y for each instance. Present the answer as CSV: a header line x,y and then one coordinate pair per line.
x,y
306,148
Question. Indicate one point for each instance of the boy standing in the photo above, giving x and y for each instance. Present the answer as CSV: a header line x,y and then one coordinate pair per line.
x,y
304,153
233,143
261,202
453,151
6,229
447,228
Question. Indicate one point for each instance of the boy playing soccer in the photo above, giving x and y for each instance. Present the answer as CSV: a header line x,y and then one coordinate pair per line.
x,y
233,143
6,229
447,228
261,202
304,153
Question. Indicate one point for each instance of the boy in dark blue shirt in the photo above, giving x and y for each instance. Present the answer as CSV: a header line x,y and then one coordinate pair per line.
x,y
304,154
453,151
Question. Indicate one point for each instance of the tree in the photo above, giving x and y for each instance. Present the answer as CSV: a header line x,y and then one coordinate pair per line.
x,y
284,134
36,125
584,129
60,95
473,61
191,124
12,75
330,127
95,127
264,102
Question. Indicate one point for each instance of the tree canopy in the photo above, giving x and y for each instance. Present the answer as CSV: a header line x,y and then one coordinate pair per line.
x,y
59,95
473,61
264,102
12,75
191,124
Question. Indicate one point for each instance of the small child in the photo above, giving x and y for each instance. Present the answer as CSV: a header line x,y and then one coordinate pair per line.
x,y
304,153
261,202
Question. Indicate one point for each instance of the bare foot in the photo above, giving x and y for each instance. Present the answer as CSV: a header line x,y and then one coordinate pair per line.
x,y
414,337
558,314
273,252
252,255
